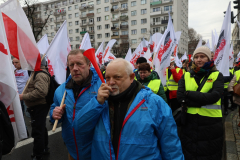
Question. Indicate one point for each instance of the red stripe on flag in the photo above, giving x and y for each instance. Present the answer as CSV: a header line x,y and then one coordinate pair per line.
x,y
2,49
15,33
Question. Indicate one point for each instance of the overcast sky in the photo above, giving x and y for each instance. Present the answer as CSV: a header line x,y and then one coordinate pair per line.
x,y
207,15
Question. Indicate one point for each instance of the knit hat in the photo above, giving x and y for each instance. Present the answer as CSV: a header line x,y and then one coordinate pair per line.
x,y
141,60
203,49
172,59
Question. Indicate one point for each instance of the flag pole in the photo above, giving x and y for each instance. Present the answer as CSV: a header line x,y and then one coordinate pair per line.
x,y
56,121
31,77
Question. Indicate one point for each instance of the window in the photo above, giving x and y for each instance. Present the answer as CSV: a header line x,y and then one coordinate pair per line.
x,y
52,34
91,20
77,45
70,24
91,28
76,6
76,14
107,35
71,39
51,12
143,21
107,17
134,31
98,19
124,5
90,11
106,1
99,36
143,11
91,37
52,5
107,26
99,27
167,8
51,26
99,10
134,22
133,13
143,1
83,29
124,32
51,19
106,9
45,13
133,3
76,30
156,29
115,33
156,9
134,41
70,8
70,31
70,16
76,23
98,1
71,46
77,39
144,30
115,7
90,3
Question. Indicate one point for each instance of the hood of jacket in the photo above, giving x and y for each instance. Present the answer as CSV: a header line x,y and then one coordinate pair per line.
x,y
152,76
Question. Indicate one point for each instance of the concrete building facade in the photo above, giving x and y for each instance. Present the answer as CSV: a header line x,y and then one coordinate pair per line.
x,y
127,21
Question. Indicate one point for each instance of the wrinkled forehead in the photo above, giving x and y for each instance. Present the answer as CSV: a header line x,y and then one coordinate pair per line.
x,y
116,68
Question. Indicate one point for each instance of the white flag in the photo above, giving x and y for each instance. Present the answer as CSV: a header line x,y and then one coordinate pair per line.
x,y
86,42
231,57
199,43
148,56
221,56
207,44
178,62
99,54
43,44
57,54
238,57
129,56
8,88
184,57
108,49
213,42
164,50
136,54
156,38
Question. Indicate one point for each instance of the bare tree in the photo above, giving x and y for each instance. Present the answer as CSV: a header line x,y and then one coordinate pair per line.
x,y
32,10
193,39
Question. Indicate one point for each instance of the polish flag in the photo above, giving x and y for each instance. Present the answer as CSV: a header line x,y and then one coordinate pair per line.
x,y
8,88
20,38
107,50
164,51
57,54
86,43
43,44
99,54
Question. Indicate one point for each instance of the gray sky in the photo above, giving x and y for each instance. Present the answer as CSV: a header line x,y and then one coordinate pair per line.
x,y
207,15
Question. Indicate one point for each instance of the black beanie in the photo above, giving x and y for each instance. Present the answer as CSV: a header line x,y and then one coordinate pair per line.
x,y
141,60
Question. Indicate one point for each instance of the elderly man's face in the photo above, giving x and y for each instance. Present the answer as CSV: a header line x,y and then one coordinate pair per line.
x,y
16,63
117,78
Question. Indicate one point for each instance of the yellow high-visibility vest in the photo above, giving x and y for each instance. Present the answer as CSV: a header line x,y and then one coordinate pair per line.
x,y
154,85
183,71
212,110
171,85
237,73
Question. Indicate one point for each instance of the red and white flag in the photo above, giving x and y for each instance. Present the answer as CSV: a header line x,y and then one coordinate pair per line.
x,y
99,54
175,52
8,88
148,56
20,38
231,57
221,55
86,42
107,50
43,44
164,51
144,45
184,57
111,57
136,54
128,56
57,54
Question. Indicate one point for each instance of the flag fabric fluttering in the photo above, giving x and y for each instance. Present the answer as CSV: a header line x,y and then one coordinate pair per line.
x,y
99,54
86,42
213,43
20,38
129,56
221,55
144,45
208,44
8,88
164,50
57,54
107,50
43,44
156,38
136,54
184,57
175,52
238,57
148,56
199,43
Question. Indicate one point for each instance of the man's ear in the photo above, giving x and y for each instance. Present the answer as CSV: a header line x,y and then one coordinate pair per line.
x,y
132,75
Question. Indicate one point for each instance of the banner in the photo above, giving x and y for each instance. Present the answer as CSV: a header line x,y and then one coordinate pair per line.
x,y
108,49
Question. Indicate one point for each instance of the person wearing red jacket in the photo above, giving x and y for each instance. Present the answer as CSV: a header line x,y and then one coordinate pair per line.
x,y
173,75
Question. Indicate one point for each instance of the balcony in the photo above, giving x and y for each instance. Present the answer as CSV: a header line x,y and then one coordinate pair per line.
x,y
123,18
114,28
62,19
91,31
90,14
124,9
115,10
123,0
165,21
152,3
92,40
45,8
90,23
114,1
155,23
90,6
114,19
86,7
123,26
56,28
83,16
57,21
123,36
83,32
83,24
70,3
114,36
83,8
59,13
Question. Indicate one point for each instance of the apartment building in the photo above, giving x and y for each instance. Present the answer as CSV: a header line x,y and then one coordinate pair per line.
x,y
127,21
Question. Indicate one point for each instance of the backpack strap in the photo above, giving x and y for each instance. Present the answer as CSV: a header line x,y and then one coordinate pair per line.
x,y
39,72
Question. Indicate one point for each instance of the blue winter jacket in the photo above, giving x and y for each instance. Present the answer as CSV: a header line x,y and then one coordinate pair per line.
x,y
149,131
76,145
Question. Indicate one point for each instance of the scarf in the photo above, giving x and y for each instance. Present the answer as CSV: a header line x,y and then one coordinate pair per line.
x,y
205,68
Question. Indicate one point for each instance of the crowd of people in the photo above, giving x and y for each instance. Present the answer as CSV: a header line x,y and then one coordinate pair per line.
x,y
132,115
